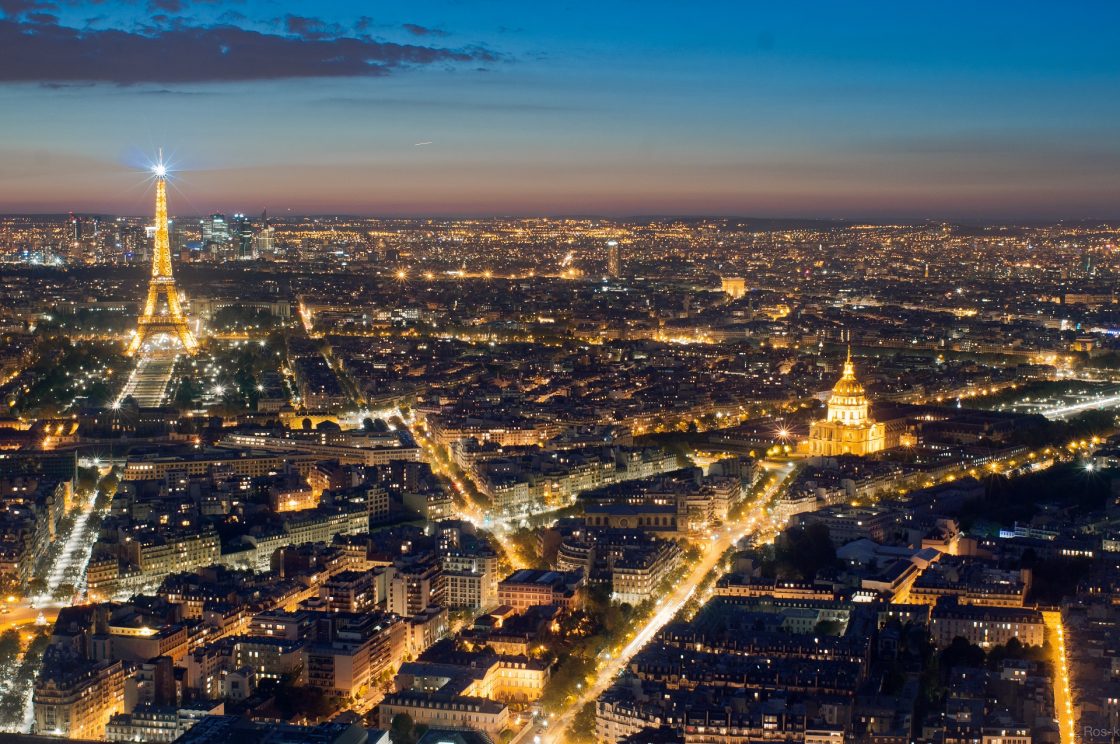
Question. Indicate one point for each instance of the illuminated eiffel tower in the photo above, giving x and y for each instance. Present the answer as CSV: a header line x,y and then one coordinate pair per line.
x,y
157,320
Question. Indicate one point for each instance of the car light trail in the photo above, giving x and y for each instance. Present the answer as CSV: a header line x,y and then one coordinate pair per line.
x,y
1111,401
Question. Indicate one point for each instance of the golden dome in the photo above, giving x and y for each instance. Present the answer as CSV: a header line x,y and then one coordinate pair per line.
x,y
848,386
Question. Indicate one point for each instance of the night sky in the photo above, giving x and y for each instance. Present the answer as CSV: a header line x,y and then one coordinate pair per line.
x,y
864,110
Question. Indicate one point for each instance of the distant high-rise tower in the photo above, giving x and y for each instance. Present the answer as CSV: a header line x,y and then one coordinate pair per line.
x,y
156,319
614,259
177,237
215,233
262,241
75,249
243,236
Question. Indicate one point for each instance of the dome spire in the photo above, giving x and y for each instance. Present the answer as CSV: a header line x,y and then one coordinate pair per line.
x,y
849,368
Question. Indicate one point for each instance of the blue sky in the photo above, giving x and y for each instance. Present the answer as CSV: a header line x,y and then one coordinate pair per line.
x,y
861,110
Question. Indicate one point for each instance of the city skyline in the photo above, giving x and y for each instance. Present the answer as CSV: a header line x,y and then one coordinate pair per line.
x,y
494,373
869,113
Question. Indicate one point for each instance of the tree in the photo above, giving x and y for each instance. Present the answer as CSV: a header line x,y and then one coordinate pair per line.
x,y
86,480
402,730
804,551
570,671
1014,649
582,730
187,393
301,700
107,487
961,653
65,591
525,543
236,317
9,646
826,628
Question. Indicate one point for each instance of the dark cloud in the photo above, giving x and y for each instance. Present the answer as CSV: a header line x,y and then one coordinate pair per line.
x,y
311,28
417,30
170,6
46,52
232,17
177,93
63,86
16,8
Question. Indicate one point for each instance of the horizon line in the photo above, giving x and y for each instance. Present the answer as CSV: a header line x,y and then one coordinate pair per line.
x,y
900,221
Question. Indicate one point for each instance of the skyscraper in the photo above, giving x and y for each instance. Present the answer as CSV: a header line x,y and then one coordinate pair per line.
x,y
614,258
215,233
75,248
242,234
176,236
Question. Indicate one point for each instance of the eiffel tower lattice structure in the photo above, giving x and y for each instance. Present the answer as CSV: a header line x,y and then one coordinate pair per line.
x,y
166,318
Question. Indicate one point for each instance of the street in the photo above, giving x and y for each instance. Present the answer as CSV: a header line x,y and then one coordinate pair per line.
x,y
709,561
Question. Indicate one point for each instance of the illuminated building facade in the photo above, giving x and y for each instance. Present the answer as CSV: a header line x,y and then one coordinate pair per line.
x,y
75,698
216,232
735,286
614,259
848,429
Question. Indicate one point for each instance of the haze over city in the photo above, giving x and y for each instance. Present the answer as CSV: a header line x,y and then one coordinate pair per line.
x,y
865,111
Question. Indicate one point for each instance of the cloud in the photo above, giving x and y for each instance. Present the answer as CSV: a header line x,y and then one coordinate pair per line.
x,y
63,86
15,8
177,92
311,28
417,30
232,17
43,51
449,104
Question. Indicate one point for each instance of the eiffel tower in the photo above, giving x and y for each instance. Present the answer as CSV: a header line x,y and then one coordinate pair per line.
x,y
156,320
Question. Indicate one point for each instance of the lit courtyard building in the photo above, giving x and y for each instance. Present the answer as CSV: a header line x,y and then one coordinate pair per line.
x,y
848,429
